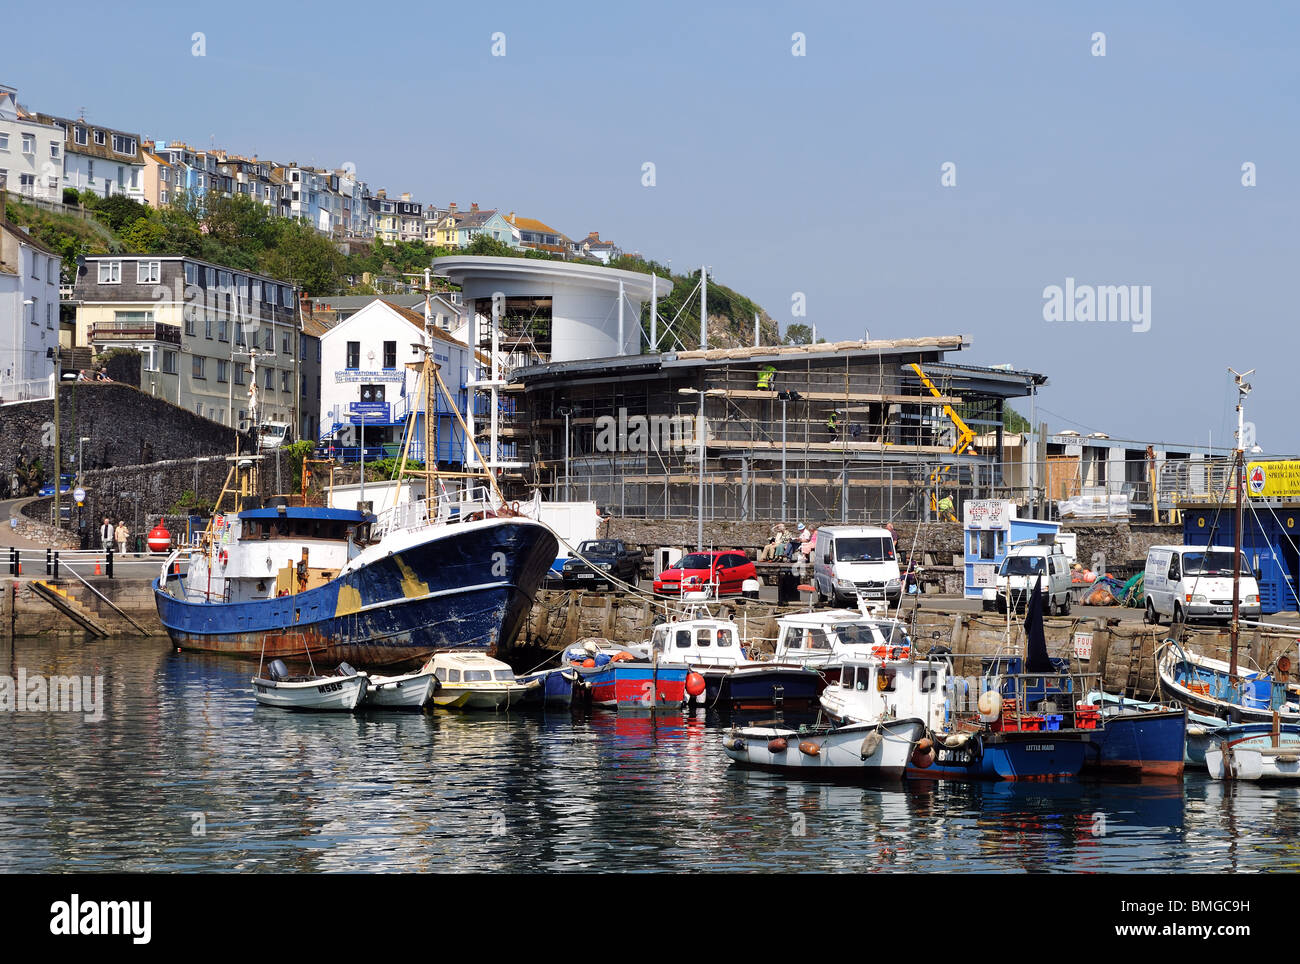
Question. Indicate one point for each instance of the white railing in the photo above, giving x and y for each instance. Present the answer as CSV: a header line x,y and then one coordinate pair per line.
x,y
447,507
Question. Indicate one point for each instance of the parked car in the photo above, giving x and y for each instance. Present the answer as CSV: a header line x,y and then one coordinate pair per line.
x,y
612,556
727,569
65,486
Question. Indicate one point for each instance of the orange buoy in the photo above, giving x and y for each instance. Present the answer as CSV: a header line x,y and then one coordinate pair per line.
x,y
809,748
925,743
694,684
777,745
159,540
622,657
589,663
923,759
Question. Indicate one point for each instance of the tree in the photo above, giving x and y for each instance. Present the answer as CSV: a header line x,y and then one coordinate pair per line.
x,y
798,334
117,211
146,236
1014,422
300,255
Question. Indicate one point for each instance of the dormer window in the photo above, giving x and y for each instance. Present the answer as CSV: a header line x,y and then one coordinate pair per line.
x,y
99,138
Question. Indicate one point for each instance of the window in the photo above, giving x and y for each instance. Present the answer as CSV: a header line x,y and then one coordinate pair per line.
x,y
36,266
257,290
51,278
99,139
207,327
123,144
169,363
223,370
703,638
302,350
79,135
270,379
303,387
191,273
239,376
148,272
29,143
4,141
284,382
133,319
54,150
354,354
110,272
725,638
286,295
284,344
222,334
197,369
210,276
390,354
269,341
36,303
189,321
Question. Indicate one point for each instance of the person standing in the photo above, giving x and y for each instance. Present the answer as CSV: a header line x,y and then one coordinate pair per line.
x,y
122,533
106,535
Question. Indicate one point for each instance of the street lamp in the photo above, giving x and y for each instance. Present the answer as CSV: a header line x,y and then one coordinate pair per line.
x,y
566,412
785,397
701,431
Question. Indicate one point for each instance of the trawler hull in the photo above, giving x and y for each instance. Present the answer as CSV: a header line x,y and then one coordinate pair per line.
x,y
468,586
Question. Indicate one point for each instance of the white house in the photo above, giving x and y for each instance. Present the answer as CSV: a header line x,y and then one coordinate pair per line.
x,y
100,159
31,153
368,368
29,312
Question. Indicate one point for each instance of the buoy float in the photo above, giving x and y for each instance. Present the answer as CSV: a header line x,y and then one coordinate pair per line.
x,y
695,684
923,759
777,745
589,663
809,748
924,743
159,539
990,706
871,745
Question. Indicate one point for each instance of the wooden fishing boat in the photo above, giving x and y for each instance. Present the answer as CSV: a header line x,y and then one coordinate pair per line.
x,y
342,690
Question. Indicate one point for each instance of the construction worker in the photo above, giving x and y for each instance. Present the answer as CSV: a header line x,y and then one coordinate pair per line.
x,y
766,378
833,424
945,509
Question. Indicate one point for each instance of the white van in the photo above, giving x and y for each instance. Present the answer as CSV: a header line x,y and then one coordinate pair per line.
x,y
273,435
856,559
1195,582
1019,572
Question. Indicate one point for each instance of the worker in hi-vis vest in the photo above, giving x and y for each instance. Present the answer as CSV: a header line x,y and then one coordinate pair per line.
x,y
766,376
833,423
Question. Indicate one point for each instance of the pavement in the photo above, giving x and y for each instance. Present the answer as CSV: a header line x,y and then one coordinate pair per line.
x,y
10,508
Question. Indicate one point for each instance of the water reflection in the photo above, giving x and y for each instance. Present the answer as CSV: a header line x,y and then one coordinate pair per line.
x,y
184,748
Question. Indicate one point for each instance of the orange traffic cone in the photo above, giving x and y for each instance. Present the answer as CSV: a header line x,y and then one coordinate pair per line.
x,y
97,572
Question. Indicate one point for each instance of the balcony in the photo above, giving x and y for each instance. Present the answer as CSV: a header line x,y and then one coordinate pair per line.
x,y
101,331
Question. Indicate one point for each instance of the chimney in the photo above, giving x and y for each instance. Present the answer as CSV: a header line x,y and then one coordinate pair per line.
x,y
473,207
451,208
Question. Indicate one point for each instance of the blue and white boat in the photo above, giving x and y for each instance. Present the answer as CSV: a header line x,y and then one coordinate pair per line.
x,y
453,573
1207,686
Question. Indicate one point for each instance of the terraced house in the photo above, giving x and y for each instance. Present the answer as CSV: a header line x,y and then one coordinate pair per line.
x,y
100,159
400,220
458,228
198,328
31,152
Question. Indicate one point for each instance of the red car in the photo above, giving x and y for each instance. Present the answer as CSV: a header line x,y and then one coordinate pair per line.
x,y
726,568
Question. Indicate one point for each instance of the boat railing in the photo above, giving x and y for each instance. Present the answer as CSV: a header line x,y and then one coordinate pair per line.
x,y
1030,699
445,508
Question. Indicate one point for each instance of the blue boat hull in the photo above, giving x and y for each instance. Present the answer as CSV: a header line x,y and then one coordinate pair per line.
x,y
787,688
1150,744
461,589
1050,755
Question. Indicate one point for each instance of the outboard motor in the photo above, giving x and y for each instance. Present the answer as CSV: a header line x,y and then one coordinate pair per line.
x,y
345,669
276,670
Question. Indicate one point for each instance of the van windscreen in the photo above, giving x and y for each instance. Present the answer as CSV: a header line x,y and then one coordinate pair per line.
x,y
1211,564
864,549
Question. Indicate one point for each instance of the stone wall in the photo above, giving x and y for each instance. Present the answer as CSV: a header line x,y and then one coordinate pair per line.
x,y
123,425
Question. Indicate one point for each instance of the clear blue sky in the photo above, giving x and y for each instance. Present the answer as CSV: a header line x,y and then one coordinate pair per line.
x,y
818,174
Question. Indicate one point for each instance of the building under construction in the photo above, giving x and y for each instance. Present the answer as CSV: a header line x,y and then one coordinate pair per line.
x,y
844,432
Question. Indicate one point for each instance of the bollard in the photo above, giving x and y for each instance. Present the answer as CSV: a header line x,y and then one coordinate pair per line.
x,y
108,563
56,563
47,562
13,561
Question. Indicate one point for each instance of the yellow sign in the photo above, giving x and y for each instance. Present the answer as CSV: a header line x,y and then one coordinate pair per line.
x,y
1273,480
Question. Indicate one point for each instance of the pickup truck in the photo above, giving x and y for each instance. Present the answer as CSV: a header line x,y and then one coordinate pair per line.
x,y
612,557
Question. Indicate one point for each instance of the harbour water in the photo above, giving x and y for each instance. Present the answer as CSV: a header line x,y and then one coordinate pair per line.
x,y
185,773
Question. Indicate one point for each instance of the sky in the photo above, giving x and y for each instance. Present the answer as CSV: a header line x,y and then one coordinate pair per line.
x,y
799,149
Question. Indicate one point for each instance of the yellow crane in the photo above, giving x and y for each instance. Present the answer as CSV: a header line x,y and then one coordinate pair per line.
x,y
964,442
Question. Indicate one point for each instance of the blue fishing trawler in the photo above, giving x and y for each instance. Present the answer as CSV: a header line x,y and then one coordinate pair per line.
x,y
309,582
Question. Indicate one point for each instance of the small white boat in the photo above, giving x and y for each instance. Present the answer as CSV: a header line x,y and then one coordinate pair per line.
x,y
474,681
1227,760
411,691
864,750
824,639
344,689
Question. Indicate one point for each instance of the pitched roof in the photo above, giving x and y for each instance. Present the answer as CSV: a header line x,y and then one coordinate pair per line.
x,y
25,238
418,321
532,224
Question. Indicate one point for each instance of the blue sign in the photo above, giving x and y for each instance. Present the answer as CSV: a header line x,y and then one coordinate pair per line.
x,y
369,409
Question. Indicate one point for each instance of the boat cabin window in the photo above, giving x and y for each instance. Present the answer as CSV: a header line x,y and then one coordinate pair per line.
x,y
808,638
889,678
453,676
505,676
478,675
683,639
859,634
725,638
660,639
257,529
703,638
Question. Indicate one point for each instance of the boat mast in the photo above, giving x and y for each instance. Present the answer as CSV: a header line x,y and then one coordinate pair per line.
x,y
1238,471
